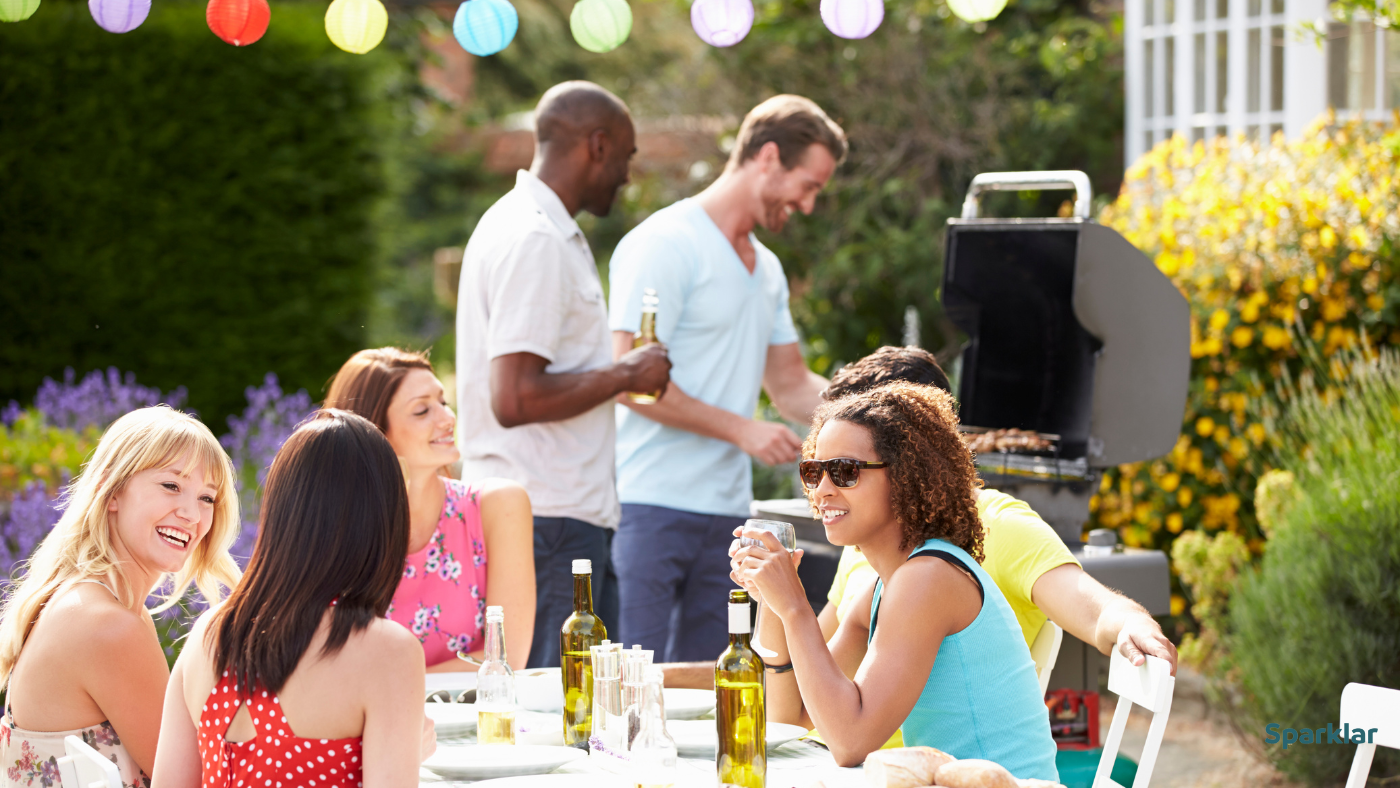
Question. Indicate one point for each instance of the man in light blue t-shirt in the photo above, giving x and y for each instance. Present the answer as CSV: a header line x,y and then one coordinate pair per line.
x,y
683,470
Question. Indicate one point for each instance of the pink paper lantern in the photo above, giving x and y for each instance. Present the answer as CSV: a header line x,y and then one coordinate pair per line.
x,y
721,23
852,18
119,16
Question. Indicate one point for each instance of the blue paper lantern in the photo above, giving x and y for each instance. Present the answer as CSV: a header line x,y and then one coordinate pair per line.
x,y
485,27
119,16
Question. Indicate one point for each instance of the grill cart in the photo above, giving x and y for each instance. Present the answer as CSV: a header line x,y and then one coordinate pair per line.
x,y
1078,359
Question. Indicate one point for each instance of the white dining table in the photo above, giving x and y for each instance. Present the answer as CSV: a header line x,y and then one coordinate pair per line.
x,y
797,764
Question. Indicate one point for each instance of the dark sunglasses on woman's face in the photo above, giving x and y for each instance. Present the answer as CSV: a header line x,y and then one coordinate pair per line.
x,y
844,471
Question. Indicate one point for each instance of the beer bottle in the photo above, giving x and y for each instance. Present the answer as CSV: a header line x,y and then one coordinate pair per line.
x,y
647,336
495,686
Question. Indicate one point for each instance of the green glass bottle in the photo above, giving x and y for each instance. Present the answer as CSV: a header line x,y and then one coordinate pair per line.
x,y
742,756
581,631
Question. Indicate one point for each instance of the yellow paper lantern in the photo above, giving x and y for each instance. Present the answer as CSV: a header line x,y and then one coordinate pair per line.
x,y
601,25
976,10
356,25
17,10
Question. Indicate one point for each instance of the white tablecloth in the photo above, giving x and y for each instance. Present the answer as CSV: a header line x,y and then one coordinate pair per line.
x,y
796,764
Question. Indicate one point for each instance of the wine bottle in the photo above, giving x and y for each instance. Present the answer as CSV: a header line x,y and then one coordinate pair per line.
x,y
581,631
647,336
495,686
742,755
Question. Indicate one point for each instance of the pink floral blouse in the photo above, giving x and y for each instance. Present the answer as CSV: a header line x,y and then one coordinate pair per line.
x,y
442,595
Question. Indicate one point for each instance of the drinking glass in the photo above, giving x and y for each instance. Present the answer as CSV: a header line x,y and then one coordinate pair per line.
x,y
787,537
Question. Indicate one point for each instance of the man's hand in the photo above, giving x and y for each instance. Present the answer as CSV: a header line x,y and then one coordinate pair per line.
x,y
648,369
769,442
1141,635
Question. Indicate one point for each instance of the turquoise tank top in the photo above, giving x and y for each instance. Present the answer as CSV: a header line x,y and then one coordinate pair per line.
x,y
982,699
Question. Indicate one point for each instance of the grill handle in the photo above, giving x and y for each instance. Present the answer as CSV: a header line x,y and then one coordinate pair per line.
x,y
1030,181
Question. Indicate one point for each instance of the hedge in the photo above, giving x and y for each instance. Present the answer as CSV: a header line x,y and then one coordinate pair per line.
x,y
194,212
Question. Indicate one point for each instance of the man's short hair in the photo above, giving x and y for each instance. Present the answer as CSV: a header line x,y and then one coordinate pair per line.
x,y
889,363
795,124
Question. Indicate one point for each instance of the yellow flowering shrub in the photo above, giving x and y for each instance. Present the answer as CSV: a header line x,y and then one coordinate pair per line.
x,y
1294,243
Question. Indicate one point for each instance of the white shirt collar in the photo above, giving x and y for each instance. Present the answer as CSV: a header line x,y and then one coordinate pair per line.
x,y
548,201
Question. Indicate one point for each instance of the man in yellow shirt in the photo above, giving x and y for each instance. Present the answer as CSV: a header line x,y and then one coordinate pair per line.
x,y
1024,556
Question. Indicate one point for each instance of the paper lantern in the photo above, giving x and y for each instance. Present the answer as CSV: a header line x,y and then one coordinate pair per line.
x,y
852,18
119,16
485,27
17,10
601,25
976,10
356,26
238,22
721,23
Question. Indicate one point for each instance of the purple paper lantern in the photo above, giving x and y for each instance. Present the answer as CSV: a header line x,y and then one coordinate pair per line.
x,y
119,16
721,23
852,18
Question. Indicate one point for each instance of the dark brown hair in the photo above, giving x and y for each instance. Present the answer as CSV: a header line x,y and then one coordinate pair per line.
x,y
888,364
334,529
915,430
368,381
795,124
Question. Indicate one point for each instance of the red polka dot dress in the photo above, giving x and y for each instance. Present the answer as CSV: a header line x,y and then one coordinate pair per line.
x,y
273,758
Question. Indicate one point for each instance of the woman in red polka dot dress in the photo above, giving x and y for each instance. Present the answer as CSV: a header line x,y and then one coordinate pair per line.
x,y
298,679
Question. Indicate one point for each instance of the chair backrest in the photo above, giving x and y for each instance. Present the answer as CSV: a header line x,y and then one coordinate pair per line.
x,y
85,767
1376,712
1045,650
1150,686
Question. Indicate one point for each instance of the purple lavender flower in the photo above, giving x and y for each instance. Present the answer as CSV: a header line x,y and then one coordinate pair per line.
x,y
26,520
11,413
253,440
98,400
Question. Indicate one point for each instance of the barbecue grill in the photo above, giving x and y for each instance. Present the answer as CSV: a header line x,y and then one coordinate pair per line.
x,y
1075,337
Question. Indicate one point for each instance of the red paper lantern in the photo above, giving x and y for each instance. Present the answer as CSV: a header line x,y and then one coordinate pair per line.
x,y
238,22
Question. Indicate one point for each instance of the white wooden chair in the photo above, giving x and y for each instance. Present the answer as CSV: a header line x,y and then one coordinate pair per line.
x,y
1149,686
1045,650
84,767
1368,707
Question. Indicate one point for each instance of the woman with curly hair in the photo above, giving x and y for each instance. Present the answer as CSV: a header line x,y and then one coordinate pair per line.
x,y
889,475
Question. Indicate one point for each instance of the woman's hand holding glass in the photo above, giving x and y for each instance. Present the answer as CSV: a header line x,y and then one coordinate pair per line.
x,y
768,571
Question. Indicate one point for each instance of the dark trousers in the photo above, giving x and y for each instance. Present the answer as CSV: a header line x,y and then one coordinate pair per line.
x,y
673,579
558,541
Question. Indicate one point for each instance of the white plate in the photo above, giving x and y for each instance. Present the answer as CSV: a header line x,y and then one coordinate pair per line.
x,y
554,781
484,761
451,719
698,738
454,683
688,704
534,727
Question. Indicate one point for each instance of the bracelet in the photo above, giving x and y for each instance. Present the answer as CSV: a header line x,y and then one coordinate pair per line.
x,y
778,668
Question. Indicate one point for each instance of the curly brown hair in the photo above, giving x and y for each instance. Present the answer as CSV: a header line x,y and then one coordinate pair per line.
x,y
932,478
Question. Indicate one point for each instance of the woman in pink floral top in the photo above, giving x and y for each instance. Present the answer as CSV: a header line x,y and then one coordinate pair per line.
x,y
454,526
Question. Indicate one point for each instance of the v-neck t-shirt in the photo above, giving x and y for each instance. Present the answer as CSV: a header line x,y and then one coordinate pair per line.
x,y
717,321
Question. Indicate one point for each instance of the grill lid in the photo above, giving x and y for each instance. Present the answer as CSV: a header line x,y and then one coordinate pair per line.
x,y
1072,330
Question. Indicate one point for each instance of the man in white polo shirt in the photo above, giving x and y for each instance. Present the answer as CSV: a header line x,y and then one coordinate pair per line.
x,y
535,371
684,474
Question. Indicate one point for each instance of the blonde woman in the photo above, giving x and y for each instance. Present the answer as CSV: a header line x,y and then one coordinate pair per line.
x,y
79,653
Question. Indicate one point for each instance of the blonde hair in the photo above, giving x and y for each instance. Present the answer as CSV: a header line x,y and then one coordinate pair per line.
x,y
81,544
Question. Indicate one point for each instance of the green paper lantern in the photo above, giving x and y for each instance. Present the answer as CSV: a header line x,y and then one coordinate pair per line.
x,y
973,11
598,25
20,10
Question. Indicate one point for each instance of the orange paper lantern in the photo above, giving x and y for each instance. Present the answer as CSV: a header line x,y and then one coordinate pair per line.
x,y
238,22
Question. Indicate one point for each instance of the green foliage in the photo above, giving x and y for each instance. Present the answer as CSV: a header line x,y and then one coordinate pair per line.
x,y
1323,609
1208,566
195,212
31,450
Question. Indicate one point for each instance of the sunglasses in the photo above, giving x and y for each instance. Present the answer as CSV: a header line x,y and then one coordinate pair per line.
x,y
844,471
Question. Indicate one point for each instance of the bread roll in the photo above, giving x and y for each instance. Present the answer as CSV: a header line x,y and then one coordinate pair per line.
x,y
904,767
1031,782
974,773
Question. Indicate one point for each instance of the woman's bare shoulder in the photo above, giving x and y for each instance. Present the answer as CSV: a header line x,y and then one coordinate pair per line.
x,y
387,642
501,489
90,617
